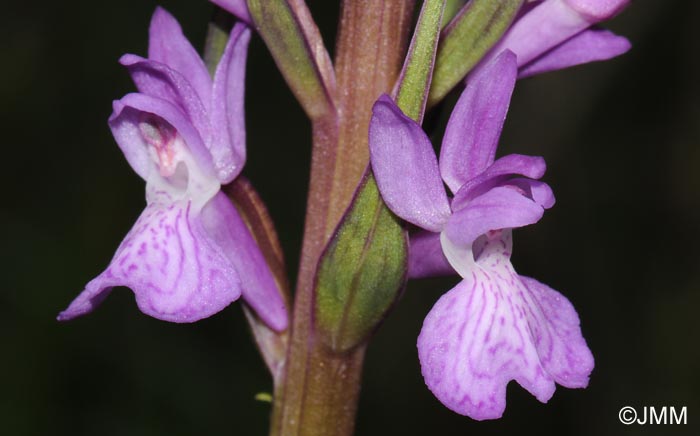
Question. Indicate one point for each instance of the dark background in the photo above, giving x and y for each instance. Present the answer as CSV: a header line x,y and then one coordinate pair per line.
x,y
622,142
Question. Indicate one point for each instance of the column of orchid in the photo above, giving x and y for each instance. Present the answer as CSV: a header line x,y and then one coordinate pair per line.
x,y
382,207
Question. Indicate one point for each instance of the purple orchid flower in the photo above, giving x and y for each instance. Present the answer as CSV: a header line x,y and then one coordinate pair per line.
x,y
495,325
552,35
190,254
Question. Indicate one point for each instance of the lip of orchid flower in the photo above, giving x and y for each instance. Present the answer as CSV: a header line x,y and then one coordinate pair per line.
x,y
190,254
494,326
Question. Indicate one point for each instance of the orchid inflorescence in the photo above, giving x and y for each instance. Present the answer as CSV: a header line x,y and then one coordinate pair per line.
x,y
196,248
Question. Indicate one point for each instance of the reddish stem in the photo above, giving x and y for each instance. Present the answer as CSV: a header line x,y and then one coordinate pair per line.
x,y
320,388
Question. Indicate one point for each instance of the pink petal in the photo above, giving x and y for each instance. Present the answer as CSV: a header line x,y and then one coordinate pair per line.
x,y
494,327
497,174
588,46
472,133
556,328
405,167
538,191
133,110
425,256
158,80
474,341
503,207
168,45
175,270
228,147
598,10
224,225
543,27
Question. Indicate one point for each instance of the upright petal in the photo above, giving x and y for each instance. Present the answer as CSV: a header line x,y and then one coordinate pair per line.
x,y
176,271
425,256
498,174
133,112
239,8
503,207
167,44
472,133
224,225
588,46
496,326
228,147
540,192
156,79
405,167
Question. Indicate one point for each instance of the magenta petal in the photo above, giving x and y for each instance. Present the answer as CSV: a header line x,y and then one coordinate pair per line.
x,y
239,8
539,192
426,258
176,271
496,326
475,340
133,110
472,133
224,225
556,328
497,174
405,167
588,46
541,28
598,10
503,207
228,145
158,80
168,45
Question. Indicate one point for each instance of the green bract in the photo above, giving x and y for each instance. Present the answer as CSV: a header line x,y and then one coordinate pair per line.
x,y
292,40
475,29
361,272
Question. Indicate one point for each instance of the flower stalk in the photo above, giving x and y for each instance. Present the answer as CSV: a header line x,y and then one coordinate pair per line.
x,y
321,386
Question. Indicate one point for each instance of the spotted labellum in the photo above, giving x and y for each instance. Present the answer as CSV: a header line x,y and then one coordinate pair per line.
x,y
495,325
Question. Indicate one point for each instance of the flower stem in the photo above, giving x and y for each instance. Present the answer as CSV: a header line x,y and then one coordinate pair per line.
x,y
320,388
